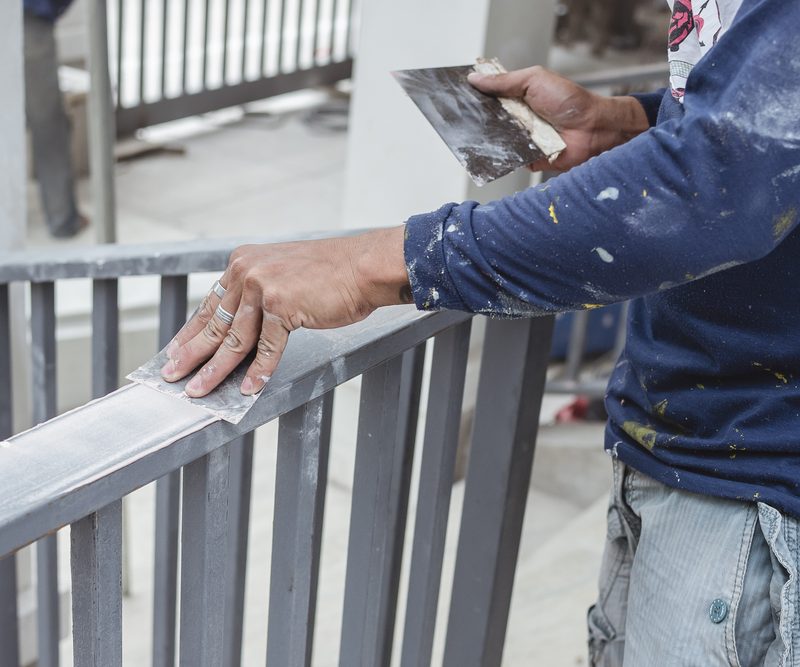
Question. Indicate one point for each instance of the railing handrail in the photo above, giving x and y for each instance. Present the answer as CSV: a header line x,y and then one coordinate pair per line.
x,y
77,463
172,258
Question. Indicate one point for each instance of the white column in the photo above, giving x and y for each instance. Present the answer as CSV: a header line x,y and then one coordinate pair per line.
x,y
397,165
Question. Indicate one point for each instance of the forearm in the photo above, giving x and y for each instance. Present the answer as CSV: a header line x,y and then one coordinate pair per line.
x,y
618,120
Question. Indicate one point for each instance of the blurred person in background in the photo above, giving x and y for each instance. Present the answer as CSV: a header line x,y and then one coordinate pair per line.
x,y
47,120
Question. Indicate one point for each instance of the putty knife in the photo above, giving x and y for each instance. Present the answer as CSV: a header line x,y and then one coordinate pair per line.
x,y
490,136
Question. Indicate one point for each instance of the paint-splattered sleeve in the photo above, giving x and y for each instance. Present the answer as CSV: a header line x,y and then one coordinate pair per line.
x,y
716,187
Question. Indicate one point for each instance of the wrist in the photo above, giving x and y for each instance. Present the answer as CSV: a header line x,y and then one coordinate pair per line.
x,y
379,267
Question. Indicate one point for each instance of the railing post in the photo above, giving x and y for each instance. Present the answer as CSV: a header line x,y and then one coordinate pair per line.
x,y
172,314
101,125
510,392
302,473
203,552
443,417
97,588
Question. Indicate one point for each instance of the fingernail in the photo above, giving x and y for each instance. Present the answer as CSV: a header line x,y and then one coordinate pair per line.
x,y
194,386
250,386
474,77
169,369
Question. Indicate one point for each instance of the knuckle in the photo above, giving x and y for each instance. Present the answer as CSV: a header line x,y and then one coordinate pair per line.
x,y
205,313
212,331
234,342
265,351
237,267
252,282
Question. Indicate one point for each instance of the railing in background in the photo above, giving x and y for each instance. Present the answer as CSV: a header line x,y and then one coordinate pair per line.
x,y
76,469
176,58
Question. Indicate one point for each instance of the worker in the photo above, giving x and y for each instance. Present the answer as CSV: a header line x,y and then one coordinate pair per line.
x,y
688,204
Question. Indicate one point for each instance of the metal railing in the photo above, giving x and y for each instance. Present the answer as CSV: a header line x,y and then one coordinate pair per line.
x,y
184,57
75,469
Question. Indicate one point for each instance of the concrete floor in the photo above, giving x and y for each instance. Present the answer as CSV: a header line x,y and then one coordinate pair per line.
x,y
276,173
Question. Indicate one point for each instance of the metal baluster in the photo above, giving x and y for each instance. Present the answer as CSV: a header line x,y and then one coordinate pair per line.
x,y
442,422
281,36
172,314
302,472
205,45
43,371
142,45
240,476
203,552
185,45
164,21
245,25
263,34
510,392
366,639
316,34
97,588
102,125
120,33
225,30
9,630
332,43
577,344
105,336
299,44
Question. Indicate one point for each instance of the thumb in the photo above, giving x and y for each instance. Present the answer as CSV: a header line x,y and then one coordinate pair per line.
x,y
510,84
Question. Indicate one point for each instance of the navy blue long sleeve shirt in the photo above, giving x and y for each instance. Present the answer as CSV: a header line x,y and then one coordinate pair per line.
x,y
696,221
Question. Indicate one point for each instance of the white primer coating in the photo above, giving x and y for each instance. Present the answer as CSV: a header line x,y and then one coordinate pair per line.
x,y
609,193
603,254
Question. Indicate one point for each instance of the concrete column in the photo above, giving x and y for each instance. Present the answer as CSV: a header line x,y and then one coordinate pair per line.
x,y
397,165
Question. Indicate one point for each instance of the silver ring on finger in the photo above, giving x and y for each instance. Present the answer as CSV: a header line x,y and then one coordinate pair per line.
x,y
219,290
224,315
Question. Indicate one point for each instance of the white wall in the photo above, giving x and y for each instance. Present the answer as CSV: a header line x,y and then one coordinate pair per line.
x,y
397,165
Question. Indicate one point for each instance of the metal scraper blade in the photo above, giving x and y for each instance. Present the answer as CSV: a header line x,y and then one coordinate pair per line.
x,y
486,138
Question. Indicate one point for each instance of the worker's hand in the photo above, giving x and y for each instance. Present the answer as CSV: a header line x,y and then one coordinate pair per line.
x,y
275,289
588,123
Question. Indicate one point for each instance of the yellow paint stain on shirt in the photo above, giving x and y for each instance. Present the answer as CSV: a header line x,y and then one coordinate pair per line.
x,y
642,434
553,215
784,222
661,408
700,386
781,377
644,193
592,306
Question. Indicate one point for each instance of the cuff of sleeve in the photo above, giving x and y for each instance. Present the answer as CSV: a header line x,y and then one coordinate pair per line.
x,y
651,103
426,263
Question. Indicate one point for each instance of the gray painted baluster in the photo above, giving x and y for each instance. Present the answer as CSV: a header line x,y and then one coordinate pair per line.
x,y
43,370
97,588
241,476
510,390
442,422
302,473
373,517
105,337
172,314
9,656
203,553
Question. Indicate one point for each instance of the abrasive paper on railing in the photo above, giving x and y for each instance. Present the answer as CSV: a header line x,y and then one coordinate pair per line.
x,y
226,401
490,136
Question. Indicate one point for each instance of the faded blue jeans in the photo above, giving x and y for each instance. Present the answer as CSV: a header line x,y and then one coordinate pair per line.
x,y
690,580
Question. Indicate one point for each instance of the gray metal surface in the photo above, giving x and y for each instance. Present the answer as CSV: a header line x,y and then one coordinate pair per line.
x,y
172,314
241,477
372,539
105,337
101,125
97,588
203,551
510,392
97,453
445,396
9,628
116,261
302,474
43,371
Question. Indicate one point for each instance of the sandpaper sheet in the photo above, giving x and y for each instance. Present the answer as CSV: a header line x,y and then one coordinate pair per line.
x,y
490,136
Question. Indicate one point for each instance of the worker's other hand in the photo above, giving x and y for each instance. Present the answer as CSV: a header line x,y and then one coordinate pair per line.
x,y
588,123
276,288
